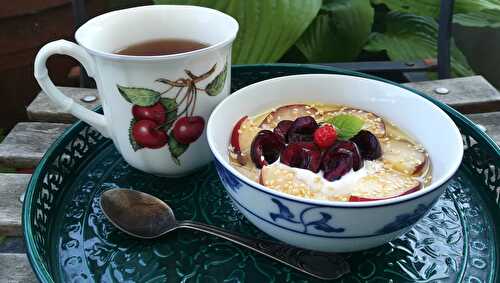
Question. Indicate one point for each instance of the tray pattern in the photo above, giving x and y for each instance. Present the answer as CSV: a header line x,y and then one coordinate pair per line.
x,y
68,238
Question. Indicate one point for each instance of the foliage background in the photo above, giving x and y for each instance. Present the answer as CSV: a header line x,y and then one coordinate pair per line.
x,y
316,31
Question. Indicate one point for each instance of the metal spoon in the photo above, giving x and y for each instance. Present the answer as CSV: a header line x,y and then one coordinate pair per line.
x,y
145,216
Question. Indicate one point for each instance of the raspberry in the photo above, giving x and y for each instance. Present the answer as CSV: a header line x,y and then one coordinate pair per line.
x,y
325,136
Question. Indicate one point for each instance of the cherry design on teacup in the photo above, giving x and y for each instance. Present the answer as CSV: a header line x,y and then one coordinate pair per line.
x,y
160,119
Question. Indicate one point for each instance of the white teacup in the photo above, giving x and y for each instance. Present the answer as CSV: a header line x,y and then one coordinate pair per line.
x,y
155,107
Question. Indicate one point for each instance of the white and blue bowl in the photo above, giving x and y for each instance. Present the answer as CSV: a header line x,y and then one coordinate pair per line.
x,y
331,226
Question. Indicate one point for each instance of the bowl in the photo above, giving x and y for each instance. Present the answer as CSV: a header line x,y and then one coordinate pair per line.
x,y
332,226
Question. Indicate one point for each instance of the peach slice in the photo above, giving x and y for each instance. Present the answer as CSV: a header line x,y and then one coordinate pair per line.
x,y
373,123
383,185
288,112
404,157
282,178
242,136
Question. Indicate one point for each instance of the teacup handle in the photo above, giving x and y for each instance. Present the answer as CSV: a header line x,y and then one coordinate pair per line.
x,y
65,47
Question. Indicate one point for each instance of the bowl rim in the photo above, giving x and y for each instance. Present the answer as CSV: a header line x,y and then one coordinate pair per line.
x,y
326,203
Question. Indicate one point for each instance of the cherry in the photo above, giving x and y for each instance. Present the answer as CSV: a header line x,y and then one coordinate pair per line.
x,y
357,160
305,155
156,113
147,134
302,129
368,145
266,148
336,163
282,129
188,129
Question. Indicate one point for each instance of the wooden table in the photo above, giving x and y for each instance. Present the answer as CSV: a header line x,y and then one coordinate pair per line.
x,y
27,142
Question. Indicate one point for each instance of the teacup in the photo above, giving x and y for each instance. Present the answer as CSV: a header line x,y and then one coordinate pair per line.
x,y
155,107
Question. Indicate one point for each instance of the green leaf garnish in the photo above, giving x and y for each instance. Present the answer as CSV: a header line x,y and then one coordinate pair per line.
x,y
347,126
139,96
176,148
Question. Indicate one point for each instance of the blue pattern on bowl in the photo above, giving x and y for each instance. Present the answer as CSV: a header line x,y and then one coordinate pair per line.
x,y
320,224
227,177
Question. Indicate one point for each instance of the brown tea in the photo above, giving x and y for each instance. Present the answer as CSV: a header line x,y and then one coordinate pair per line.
x,y
161,47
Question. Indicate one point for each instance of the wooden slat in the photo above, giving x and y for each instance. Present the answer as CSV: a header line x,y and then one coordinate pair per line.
x,y
491,121
467,95
15,268
11,188
42,109
26,143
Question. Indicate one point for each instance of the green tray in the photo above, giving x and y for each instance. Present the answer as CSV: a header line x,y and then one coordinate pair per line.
x,y
69,240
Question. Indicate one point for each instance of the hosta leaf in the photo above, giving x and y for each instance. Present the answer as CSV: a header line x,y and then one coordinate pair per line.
x,y
139,96
485,18
217,84
268,28
409,37
431,7
133,143
176,148
171,111
339,31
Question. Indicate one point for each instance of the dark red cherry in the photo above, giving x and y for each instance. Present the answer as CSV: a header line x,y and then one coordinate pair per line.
x,y
302,129
357,160
302,155
188,129
266,148
368,145
282,129
147,134
155,113
336,163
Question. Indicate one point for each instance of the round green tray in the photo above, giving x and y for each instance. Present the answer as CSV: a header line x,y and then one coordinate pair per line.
x,y
69,240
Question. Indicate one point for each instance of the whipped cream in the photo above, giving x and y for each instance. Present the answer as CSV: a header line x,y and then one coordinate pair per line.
x,y
344,186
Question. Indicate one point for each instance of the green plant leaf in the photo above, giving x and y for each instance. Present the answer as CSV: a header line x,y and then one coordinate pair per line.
x,y
339,31
139,96
176,148
133,143
347,126
268,28
217,84
171,111
480,19
431,7
409,37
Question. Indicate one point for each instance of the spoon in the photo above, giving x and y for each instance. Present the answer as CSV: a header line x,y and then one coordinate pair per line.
x,y
144,216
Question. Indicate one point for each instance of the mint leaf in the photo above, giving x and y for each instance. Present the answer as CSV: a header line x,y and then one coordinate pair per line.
x,y
347,126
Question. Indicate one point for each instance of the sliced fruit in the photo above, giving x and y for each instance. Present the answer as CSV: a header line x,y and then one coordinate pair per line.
x,y
235,135
266,148
242,136
302,155
251,172
373,123
283,179
383,185
288,112
302,130
368,145
404,157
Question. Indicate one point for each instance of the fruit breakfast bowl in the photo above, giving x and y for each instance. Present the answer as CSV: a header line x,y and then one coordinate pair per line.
x,y
329,225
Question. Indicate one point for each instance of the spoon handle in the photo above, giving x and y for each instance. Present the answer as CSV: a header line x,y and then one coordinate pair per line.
x,y
321,265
